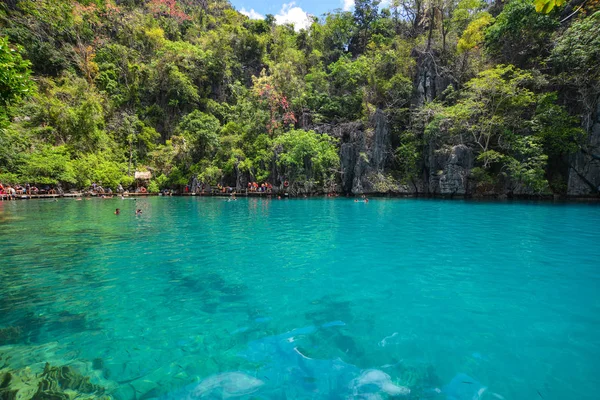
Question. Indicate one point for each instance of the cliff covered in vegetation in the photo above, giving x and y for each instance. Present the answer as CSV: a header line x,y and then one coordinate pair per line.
x,y
418,97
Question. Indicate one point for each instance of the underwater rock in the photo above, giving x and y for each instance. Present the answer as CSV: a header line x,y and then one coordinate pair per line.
x,y
221,386
10,335
146,388
463,387
378,379
124,392
287,364
54,383
32,324
5,391
98,363
229,384
70,322
291,365
67,378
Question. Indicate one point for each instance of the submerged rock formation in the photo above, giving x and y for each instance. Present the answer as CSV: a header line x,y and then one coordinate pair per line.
x,y
54,383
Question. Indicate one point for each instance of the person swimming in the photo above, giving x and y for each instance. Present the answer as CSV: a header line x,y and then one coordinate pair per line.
x,y
138,212
118,211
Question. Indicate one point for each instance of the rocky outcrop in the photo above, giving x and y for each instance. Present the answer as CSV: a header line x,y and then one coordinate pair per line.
x,y
449,171
365,151
584,173
429,80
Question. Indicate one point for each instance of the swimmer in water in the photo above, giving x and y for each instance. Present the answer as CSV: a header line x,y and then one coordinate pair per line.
x,y
118,211
138,212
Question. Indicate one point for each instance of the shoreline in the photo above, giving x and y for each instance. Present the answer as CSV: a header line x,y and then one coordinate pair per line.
x,y
550,198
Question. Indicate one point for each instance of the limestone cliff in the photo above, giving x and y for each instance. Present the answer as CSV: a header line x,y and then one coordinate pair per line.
x,y
584,173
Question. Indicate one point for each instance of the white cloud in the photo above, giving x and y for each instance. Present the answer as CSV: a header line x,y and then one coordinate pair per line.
x,y
252,14
349,4
291,14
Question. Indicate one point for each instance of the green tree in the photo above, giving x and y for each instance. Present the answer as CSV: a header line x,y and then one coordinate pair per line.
x,y
202,132
15,80
520,35
366,13
97,168
492,108
69,112
576,58
305,156
560,133
47,166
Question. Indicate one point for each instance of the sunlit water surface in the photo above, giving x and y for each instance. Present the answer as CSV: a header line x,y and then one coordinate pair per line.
x,y
307,299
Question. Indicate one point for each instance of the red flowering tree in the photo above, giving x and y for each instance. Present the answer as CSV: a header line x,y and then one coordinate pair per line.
x,y
168,8
276,103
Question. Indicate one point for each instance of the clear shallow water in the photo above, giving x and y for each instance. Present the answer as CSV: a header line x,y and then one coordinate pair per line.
x,y
307,298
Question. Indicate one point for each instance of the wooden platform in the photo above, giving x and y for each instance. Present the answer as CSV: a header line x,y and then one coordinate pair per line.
x,y
73,195
225,194
77,195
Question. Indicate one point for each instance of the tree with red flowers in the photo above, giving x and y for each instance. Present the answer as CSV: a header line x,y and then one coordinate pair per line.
x,y
277,104
168,8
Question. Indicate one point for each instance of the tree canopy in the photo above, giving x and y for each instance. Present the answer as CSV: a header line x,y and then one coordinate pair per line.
x,y
92,90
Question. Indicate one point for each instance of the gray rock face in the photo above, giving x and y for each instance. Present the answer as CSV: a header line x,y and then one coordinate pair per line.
x,y
364,153
450,170
584,176
195,184
429,83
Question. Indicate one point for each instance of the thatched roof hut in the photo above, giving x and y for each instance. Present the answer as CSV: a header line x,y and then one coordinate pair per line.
x,y
143,175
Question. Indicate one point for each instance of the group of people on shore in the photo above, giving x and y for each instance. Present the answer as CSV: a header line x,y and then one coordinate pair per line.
x,y
263,187
107,193
10,192
97,189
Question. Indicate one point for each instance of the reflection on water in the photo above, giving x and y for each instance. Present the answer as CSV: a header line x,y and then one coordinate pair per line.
x,y
320,299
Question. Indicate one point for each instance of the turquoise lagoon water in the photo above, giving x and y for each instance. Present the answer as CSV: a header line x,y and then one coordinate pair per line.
x,y
307,299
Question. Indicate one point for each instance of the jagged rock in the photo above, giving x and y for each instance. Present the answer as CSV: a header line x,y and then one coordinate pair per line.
x,y
584,174
429,83
195,184
364,152
450,170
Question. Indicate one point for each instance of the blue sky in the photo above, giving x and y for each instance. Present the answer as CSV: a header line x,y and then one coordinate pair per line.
x,y
290,11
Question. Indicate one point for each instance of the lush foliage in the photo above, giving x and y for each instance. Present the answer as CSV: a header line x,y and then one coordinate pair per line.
x,y
15,82
195,89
